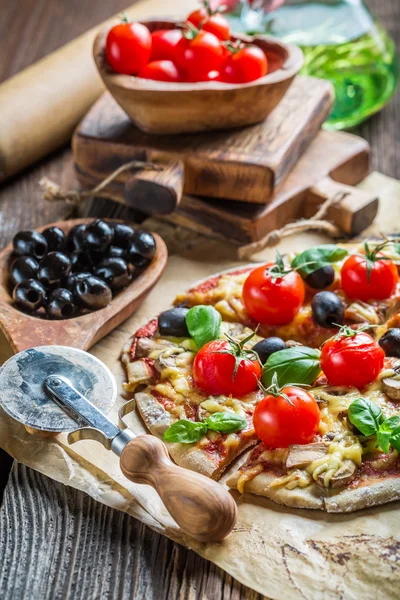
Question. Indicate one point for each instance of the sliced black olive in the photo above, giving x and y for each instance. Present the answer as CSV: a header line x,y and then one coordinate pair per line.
x,y
116,252
123,235
30,243
60,304
55,238
23,268
321,278
98,236
75,238
93,293
266,347
327,309
172,322
390,342
115,272
141,249
54,267
29,295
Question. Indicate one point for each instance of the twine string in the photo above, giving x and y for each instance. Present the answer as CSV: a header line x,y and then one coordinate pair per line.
x,y
315,223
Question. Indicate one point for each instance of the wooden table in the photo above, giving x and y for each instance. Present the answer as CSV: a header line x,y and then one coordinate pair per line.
x,y
56,542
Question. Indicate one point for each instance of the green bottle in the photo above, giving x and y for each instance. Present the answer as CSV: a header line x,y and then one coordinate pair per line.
x,y
341,42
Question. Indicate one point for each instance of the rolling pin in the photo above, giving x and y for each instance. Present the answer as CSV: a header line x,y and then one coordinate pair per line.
x,y
41,105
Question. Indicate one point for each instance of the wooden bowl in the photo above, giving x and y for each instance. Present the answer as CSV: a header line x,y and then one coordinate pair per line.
x,y
162,107
25,331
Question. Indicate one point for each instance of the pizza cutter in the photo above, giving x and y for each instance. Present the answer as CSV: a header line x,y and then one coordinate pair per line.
x,y
61,389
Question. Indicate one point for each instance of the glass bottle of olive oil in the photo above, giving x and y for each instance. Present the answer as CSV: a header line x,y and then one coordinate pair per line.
x,y
341,42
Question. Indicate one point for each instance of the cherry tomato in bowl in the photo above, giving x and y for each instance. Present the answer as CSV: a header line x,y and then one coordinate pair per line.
x,y
351,358
198,53
161,70
244,64
128,47
164,43
289,416
213,22
366,279
271,299
214,369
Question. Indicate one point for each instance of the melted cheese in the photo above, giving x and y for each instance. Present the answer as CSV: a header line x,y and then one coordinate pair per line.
x,y
292,480
343,447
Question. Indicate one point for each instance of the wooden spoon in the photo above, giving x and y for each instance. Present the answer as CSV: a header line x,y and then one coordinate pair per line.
x,y
25,331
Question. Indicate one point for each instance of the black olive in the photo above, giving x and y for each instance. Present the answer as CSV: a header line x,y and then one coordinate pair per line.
x,y
29,295
55,238
172,322
266,347
23,268
141,249
98,236
321,278
72,278
60,304
327,309
116,252
92,292
80,261
390,342
123,235
54,267
75,238
30,243
115,272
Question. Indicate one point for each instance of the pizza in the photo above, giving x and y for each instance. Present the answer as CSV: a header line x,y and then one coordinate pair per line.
x,y
293,366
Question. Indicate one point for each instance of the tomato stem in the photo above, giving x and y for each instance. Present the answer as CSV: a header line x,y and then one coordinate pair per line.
x,y
347,331
124,17
276,390
238,351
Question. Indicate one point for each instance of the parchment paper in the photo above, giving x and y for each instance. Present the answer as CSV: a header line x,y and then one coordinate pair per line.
x,y
279,552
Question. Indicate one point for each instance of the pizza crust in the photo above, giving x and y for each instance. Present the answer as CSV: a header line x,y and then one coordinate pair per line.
x,y
372,493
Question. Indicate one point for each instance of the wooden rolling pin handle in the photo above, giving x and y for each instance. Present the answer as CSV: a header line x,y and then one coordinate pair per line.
x,y
156,192
352,215
202,508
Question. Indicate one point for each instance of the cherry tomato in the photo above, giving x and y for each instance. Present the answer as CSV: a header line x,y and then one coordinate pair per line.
x,y
211,76
279,423
273,300
244,65
198,55
214,23
381,284
128,47
213,370
352,360
164,42
161,70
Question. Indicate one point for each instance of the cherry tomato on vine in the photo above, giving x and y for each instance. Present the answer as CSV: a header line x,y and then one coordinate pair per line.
x,y
372,277
351,358
286,416
161,70
198,53
213,22
215,364
164,42
128,47
272,298
244,64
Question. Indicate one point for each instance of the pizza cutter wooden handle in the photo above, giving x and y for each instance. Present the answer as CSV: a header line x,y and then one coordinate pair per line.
x,y
202,508
156,192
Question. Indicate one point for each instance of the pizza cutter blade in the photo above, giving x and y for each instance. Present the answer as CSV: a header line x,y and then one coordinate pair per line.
x,y
62,389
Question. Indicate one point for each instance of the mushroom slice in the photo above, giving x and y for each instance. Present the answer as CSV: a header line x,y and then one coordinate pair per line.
x,y
391,387
343,476
303,455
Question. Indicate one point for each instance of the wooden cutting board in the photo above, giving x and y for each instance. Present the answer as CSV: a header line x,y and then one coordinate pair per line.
x,y
246,164
333,163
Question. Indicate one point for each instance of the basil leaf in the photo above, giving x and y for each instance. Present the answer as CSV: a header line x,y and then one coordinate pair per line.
x,y
185,432
395,439
226,422
313,259
385,432
203,323
292,365
366,416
